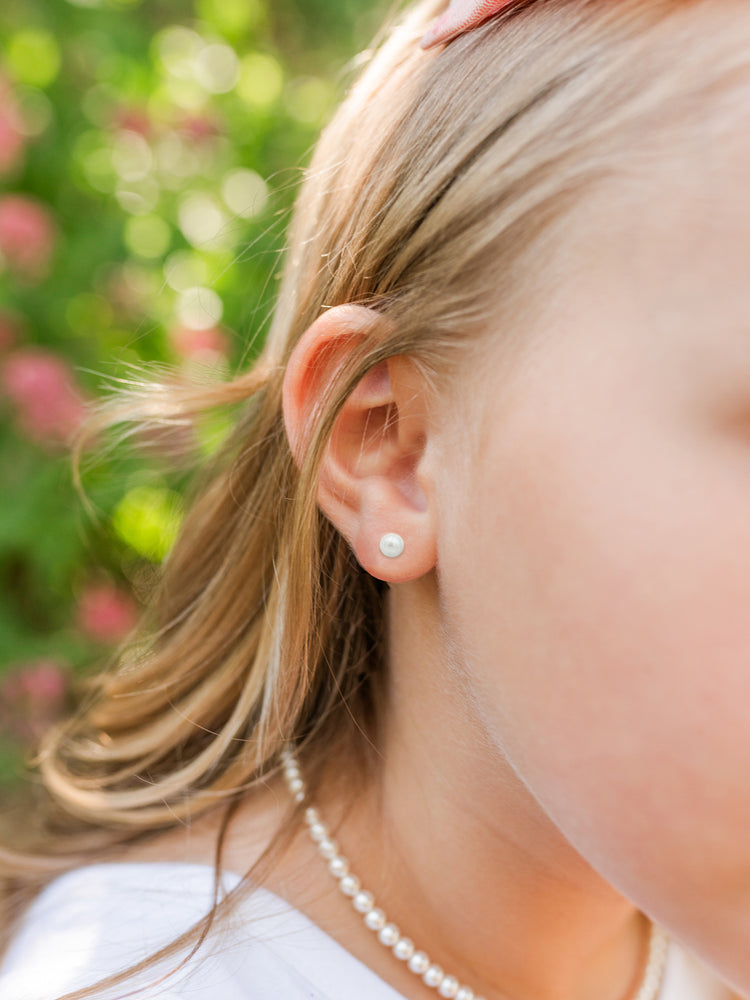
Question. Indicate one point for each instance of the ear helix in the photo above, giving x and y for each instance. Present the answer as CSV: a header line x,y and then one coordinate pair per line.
x,y
392,545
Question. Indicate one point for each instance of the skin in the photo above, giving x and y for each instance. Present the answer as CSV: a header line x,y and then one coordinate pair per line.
x,y
566,737
578,680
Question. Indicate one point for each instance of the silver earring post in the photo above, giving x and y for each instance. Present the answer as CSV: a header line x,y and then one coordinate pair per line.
x,y
392,545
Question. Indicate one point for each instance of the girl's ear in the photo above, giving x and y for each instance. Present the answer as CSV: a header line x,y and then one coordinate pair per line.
x,y
375,475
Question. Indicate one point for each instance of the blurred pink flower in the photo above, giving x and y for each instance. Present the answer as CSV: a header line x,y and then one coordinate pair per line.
x,y
106,613
27,235
199,128
33,697
133,119
191,343
12,139
41,387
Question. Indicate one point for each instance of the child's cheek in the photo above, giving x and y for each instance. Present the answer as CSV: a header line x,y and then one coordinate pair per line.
x,y
607,604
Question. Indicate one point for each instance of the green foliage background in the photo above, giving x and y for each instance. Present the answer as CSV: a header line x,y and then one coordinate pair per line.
x,y
164,141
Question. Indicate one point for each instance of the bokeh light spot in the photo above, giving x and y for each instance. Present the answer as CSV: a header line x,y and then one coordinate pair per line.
x,y
139,198
173,159
199,307
245,193
186,94
131,155
184,269
202,221
309,100
147,236
217,68
261,80
177,48
33,57
148,520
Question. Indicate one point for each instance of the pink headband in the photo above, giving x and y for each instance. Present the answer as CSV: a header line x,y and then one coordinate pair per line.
x,y
461,16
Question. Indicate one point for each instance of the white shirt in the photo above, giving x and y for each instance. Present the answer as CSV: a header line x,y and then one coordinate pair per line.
x,y
95,921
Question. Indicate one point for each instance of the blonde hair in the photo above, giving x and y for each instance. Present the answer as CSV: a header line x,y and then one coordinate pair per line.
x,y
436,196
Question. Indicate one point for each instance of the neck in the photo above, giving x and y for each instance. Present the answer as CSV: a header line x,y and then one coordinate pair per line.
x,y
463,858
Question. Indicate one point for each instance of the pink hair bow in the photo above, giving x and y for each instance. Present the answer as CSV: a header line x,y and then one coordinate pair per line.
x,y
461,16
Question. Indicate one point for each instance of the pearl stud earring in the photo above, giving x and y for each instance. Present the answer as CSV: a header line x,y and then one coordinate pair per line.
x,y
392,545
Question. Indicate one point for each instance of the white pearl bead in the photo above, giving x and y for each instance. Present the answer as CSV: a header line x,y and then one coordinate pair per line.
x,y
338,866
375,919
403,949
434,976
449,987
318,832
363,901
311,816
295,785
389,935
328,848
392,545
349,885
465,994
419,963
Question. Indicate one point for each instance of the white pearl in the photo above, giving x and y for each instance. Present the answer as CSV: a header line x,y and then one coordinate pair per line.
x,y
295,785
434,976
299,796
349,885
311,816
338,866
375,919
363,901
449,987
318,832
419,963
403,949
389,935
465,994
392,545
328,848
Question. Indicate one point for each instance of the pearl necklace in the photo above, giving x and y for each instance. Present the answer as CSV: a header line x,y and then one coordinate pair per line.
x,y
389,934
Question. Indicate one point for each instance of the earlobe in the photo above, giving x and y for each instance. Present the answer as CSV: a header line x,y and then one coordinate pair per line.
x,y
373,479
